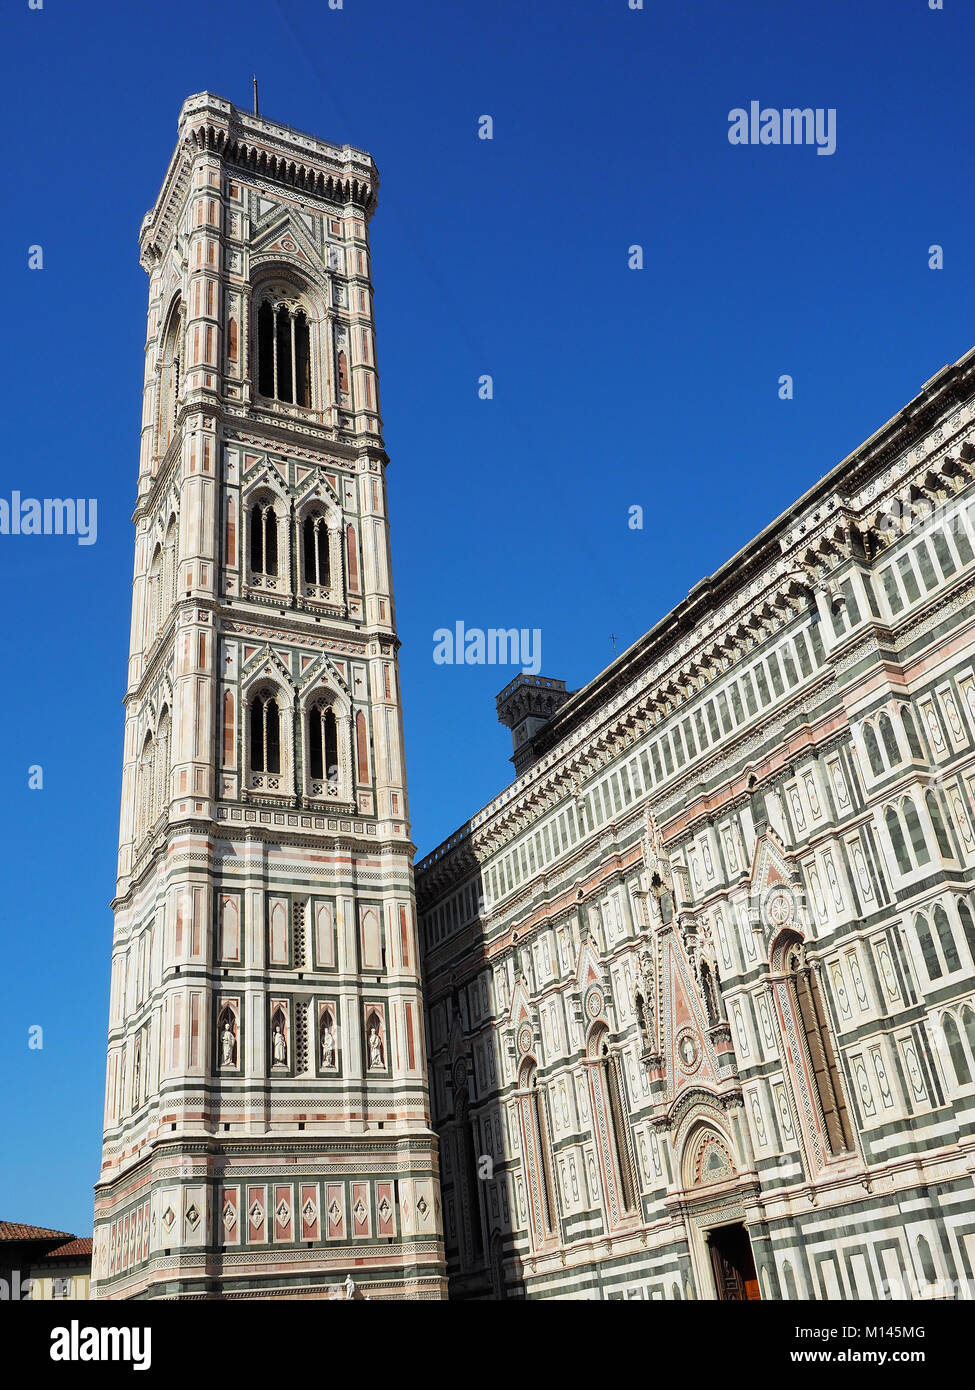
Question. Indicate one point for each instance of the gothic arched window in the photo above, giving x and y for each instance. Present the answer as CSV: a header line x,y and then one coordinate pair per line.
x,y
314,535
910,733
283,352
947,939
914,830
937,820
617,1113
889,741
873,750
926,941
898,843
537,1154
323,744
263,538
169,379
967,925
265,736
811,1016
956,1051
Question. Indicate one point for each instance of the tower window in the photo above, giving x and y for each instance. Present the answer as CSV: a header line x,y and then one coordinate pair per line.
x,y
265,741
283,353
323,757
315,546
263,539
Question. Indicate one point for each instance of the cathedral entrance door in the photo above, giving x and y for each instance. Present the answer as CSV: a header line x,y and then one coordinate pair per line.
x,y
735,1278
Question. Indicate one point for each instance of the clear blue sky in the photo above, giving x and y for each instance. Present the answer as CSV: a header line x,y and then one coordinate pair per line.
x,y
613,387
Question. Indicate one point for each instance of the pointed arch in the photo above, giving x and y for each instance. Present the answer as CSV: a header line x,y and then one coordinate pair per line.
x,y
946,939
956,1051
918,842
886,730
898,843
805,1001
265,732
926,941
535,1147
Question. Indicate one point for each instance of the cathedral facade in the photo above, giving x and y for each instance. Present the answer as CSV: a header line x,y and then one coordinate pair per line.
x,y
267,1128
700,983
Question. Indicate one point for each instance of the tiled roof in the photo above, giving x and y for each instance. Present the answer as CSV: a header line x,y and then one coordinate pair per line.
x,y
77,1245
15,1230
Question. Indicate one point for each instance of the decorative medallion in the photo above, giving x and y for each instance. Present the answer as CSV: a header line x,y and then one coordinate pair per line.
x,y
779,908
688,1052
594,1003
525,1038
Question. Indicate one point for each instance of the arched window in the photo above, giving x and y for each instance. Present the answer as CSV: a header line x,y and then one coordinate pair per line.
x,y
937,820
889,741
467,1167
283,352
315,549
168,576
323,745
811,1016
873,750
927,1263
169,379
160,795
910,733
154,596
926,941
967,925
956,1051
144,789
617,1111
535,1146
263,539
968,1023
265,740
915,832
947,939
898,844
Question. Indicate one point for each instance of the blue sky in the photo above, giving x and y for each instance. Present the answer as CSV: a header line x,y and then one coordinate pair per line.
x,y
613,387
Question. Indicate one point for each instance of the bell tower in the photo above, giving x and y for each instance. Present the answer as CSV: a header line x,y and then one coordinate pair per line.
x,y
267,1127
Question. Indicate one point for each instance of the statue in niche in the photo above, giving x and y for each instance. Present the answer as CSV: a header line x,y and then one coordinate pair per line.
x,y
228,1041
643,998
376,1058
328,1041
710,992
279,1046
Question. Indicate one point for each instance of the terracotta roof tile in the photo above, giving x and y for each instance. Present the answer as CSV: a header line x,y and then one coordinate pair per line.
x,y
78,1245
15,1230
